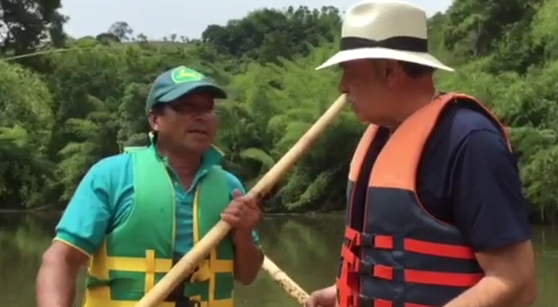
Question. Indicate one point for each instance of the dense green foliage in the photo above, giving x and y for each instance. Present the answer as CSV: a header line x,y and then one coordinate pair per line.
x,y
63,111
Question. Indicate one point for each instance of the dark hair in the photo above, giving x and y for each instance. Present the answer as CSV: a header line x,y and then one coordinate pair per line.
x,y
415,71
158,108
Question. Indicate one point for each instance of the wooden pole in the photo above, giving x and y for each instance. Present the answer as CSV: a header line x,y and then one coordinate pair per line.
x,y
186,265
292,289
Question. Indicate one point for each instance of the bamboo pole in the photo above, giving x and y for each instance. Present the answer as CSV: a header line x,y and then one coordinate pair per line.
x,y
187,263
280,277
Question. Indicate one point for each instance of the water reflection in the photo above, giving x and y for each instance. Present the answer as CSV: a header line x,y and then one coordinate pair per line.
x,y
305,247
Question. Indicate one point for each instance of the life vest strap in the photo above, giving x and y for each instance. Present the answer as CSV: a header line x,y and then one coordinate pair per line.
x,y
386,303
356,265
426,277
425,247
355,238
354,300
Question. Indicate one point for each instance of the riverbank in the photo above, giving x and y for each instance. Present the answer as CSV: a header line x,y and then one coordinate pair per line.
x,y
310,213
46,210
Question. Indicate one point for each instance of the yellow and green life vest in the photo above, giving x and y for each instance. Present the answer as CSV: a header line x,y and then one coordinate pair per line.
x,y
137,254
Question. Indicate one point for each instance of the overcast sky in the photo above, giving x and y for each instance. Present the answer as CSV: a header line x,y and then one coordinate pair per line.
x,y
158,18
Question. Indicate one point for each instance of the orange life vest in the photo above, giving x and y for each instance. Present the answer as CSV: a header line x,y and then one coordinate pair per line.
x,y
396,254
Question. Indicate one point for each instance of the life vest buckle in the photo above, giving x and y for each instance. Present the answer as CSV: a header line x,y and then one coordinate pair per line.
x,y
202,272
185,301
352,237
366,239
348,300
350,257
365,267
356,300
194,303
363,301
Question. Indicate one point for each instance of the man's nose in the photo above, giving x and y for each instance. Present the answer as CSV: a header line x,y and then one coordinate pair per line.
x,y
202,114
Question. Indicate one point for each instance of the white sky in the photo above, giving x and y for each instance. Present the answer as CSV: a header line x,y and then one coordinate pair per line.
x,y
158,18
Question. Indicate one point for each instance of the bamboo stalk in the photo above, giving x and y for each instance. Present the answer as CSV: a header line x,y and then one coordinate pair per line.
x,y
187,263
292,289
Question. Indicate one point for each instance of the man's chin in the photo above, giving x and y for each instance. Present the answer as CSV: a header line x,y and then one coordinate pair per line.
x,y
361,117
198,147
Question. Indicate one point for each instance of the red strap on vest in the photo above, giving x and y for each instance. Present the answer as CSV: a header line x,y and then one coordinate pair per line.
x,y
354,263
412,245
384,303
352,301
429,277
426,248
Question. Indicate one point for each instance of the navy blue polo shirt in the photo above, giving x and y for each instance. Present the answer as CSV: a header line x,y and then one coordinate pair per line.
x,y
467,177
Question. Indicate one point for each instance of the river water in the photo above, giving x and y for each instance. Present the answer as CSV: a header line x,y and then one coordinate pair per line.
x,y
305,247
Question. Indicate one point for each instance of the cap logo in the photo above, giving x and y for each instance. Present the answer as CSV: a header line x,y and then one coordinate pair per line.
x,y
183,74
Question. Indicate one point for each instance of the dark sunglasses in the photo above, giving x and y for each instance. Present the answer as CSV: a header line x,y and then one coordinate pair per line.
x,y
187,108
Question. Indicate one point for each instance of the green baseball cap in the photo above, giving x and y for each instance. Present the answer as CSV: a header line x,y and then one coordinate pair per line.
x,y
180,81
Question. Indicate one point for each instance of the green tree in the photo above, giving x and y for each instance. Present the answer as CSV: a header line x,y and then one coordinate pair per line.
x,y
63,110
27,24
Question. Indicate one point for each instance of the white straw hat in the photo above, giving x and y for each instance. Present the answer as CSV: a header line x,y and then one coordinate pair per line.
x,y
388,29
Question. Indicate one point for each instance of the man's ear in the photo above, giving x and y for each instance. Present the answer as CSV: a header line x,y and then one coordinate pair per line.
x,y
393,72
153,120
382,70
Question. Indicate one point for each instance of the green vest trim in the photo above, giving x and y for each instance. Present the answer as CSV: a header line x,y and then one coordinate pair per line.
x,y
137,253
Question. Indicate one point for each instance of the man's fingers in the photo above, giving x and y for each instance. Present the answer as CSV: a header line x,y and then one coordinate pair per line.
x,y
310,302
230,218
252,203
236,193
233,210
249,200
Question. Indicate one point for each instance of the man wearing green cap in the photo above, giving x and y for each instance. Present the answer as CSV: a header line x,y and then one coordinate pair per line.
x,y
134,215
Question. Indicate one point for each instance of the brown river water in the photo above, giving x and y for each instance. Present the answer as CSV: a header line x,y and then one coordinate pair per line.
x,y
306,247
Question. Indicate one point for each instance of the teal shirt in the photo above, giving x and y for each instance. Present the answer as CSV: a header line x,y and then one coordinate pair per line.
x,y
103,200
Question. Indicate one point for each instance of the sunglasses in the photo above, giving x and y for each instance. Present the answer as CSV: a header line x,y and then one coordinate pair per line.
x,y
188,108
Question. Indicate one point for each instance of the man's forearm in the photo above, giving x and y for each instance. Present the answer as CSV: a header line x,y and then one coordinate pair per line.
x,y
56,283
248,258
492,291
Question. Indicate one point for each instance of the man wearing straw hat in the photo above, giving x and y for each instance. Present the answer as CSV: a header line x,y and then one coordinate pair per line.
x,y
435,213
135,214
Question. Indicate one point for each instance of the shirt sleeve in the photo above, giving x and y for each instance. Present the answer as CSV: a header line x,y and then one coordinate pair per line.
x,y
86,218
234,183
489,206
